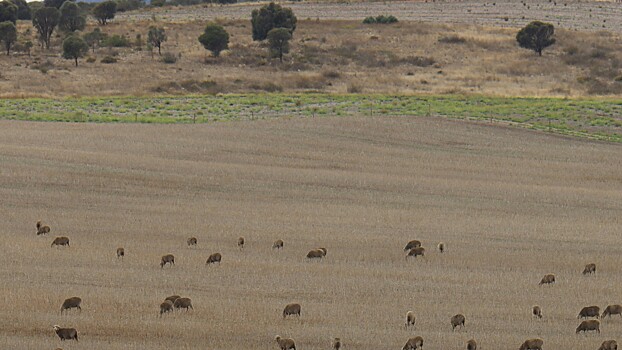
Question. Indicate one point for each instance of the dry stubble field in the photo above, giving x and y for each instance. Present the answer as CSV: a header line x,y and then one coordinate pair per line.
x,y
510,204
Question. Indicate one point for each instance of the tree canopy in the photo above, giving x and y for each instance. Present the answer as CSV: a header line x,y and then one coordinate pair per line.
x,y
71,18
45,20
8,12
215,38
8,35
74,47
536,36
105,11
269,17
278,40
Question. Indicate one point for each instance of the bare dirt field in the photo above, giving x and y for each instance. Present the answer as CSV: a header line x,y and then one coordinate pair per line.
x,y
511,205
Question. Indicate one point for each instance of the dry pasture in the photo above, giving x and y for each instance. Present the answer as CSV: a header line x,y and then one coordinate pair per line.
x,y
512,205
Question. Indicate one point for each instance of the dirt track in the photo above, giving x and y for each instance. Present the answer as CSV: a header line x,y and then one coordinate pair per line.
x,y
511,205
580,15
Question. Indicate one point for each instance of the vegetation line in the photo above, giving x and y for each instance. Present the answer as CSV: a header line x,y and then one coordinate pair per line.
x,y
595,118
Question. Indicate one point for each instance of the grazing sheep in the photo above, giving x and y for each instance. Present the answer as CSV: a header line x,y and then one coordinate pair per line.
x,y
42,229
415,252
609,345
547,279
60,241
192,241
532,344
324,251
612,310
472,345
589,269
66,333
166,306
183,303
120,253
412,244
73,302
291,309
278,244
410,319
285,343
315,254
537,311
336,344
589,311
241,242
167,259
441,247
589,325
413,344
172,298
457,320
214,258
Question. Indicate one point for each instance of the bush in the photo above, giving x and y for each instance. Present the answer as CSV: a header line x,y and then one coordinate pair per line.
x,y
116,41
215,39
452,39
382,19
91,59
108,60
269,17
169,58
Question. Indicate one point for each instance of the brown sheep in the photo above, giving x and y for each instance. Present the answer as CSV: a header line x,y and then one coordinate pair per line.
x,y
537,311
324,251
609,345
285,343
192,241
183,303
241,242
472,345
167,259
291,309
66,333
214,258
547,279
589,269
278,244
457,320
413,344
589,311
166,306
315,254
412,244
532,344
60,241
441,247
612,310
172,298
42,229
415,252
120,253
589,325
410,319
73,302
336,344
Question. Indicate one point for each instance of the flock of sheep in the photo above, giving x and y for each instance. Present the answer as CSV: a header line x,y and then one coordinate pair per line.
x,y
413,249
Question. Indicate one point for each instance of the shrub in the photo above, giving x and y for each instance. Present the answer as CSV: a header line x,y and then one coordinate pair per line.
x,y
215,39
108,60
116,41
269,17
452,39
369,20
169,58
90,59
382,19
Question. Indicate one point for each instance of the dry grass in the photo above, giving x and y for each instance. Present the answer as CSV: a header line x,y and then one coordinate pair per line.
x,y
404,58
511,205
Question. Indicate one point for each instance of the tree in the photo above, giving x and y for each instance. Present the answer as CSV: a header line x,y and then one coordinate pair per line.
x,y
278,41
105,11
215,39
269,17
45,20
23,11
536,36
8,34
8,12
70,17
74,47
54,3
94,38
156,37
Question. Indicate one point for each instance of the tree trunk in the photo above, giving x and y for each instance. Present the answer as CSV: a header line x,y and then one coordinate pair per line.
x,y
159,48
281,55
76,58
